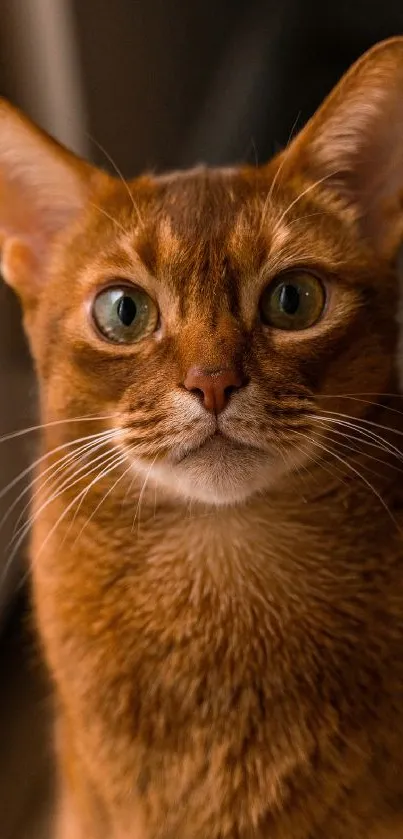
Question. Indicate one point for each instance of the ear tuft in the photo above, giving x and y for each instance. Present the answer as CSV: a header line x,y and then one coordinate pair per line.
x,y
355,144
43,187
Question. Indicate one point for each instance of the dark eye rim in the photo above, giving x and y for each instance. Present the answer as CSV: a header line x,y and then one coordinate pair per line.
x,y
117,284
295,271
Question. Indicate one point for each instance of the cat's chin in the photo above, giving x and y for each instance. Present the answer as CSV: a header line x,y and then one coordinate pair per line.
x,y
219,472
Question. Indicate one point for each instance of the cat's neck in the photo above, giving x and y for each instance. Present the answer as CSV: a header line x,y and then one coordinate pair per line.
x,y
274,541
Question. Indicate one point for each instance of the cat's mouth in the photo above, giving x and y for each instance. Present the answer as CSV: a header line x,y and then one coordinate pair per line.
x,y
217,443
217,468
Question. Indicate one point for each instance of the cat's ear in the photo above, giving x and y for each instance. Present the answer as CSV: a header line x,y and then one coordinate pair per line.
x,y
354,145
43,187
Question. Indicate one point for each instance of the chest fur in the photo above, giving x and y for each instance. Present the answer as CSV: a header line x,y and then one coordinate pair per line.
x,y
227,668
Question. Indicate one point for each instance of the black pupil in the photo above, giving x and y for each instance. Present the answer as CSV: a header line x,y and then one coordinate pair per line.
x,y
127,310
289,299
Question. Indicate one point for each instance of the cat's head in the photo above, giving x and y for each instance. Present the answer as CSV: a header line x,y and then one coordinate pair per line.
x,y
215,315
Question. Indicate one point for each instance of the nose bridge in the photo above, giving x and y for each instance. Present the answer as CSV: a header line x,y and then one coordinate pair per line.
x,y
212,364
211,345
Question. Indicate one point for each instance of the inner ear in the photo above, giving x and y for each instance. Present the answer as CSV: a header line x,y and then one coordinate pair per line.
x,y
353,145
43,188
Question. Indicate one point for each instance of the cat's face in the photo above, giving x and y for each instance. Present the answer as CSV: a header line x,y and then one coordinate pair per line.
x,y
215,316
209,321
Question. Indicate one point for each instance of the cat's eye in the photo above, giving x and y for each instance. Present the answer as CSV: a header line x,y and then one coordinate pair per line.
x,y
295,300
124,314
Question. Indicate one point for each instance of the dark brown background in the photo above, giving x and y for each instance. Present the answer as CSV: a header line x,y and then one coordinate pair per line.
x,y
158,84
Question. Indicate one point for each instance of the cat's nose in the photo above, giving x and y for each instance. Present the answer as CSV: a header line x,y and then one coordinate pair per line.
x,y
214,387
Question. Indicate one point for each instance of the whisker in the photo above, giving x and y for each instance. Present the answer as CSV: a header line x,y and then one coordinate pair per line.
x,y
279,170
103,499
357,398
352,394
138,508
296,468
270,193
108,215
293,127
128,490
281,262
308,215
155,501
55,469
32,428
37,513
362,420
305,192
45,456
117,462
120,175
357,473
357,451
336,473
366,435
19,537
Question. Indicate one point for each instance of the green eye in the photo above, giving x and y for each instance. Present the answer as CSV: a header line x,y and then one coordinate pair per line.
x,y
294,301
124,314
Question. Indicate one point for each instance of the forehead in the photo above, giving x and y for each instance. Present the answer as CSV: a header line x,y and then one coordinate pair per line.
x,y
202,200
201,222
204,233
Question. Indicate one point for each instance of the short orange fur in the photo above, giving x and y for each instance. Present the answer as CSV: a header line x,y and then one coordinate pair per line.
x,y
225,639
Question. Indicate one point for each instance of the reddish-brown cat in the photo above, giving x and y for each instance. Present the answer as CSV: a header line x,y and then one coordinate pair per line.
x,y
217,552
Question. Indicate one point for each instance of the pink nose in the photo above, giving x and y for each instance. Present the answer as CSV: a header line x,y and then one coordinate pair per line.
x,y
214,387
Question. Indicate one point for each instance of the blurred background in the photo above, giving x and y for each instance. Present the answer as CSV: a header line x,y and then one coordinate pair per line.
x,y
147,84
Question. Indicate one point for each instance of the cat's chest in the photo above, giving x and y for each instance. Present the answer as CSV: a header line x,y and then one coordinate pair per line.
x,y
187,617
219,661
201,621
241,592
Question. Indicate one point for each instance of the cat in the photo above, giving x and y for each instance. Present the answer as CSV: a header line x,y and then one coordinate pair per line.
x,y
217,508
